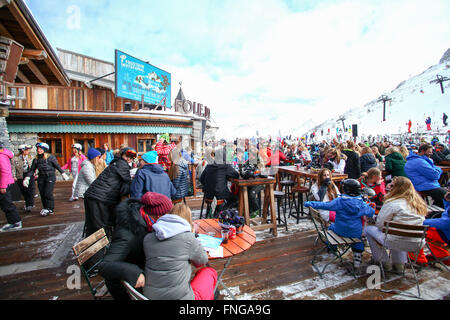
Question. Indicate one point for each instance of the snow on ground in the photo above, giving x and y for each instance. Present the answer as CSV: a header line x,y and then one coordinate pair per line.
x,y
336,275
414,99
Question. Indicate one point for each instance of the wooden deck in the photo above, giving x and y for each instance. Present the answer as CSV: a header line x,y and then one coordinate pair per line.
x,y
34,263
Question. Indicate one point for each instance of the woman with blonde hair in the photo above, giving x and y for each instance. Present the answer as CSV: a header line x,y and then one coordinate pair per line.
x,y
336,159
169,252
367,159
402,205
404,152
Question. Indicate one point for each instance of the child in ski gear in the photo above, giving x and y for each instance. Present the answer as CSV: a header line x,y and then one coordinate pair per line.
x,y
349,208
46,164
21,166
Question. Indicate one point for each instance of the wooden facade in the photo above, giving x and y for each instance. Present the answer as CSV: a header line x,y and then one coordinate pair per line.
x,y
75,97
65,98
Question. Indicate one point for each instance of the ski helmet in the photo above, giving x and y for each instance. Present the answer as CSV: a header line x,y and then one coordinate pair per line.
x,y
43,146
77,146
351,187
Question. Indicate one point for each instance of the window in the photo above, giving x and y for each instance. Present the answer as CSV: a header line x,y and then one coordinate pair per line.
x,y
145,145
18,93
55,147
87,144
40,98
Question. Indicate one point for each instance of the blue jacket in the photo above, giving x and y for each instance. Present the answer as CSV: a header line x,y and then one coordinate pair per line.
x,y
349,211
152,178
181,182
423,174
109,157
186,156
441,224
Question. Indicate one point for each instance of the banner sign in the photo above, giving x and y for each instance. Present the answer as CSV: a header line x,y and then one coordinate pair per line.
x,y
136,79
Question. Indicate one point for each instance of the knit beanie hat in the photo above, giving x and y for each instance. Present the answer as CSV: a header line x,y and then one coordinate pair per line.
x,y
93,153
150,157
156,204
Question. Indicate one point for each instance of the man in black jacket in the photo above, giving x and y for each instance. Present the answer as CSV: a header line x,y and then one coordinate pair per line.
x,y
215,182
125,258
352,164
106,192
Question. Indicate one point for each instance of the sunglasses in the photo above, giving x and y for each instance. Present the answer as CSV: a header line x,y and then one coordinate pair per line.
x,y
131,154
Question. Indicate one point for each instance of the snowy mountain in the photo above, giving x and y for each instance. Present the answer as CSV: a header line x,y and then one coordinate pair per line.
x,y
414,99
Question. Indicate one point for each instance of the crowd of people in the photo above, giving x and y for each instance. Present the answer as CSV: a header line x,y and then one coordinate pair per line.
x,y
140,200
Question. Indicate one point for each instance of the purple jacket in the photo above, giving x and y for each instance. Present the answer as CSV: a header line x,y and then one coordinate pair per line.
x,y
6,177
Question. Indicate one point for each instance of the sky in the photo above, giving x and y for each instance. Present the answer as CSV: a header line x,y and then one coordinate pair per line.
x,y
272,66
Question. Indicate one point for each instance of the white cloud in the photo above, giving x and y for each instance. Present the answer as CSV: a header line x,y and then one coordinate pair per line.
x,y
249,61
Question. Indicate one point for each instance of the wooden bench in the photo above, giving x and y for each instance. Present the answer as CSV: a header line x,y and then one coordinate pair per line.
x,y
336,244
84,251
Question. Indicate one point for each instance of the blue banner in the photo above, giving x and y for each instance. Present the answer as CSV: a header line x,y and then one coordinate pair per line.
x,y
135,78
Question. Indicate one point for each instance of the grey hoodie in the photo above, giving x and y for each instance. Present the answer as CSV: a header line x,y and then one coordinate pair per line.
x,y
169,250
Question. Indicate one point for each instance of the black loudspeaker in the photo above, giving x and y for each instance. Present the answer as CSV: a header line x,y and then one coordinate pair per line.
x,y
355,130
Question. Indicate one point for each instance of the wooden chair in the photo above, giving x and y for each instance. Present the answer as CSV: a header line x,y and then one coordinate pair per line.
x,y
209,203
84,251
280,195
408,231
335,244
133,293
299,189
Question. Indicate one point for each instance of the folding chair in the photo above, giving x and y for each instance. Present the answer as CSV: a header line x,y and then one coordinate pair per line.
x,y
409,231
132,292
336,244
84,251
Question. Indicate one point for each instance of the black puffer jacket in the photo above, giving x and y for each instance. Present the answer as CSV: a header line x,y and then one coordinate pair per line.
x,y
113,183
215,178
367,161
46,167
352,165
125,258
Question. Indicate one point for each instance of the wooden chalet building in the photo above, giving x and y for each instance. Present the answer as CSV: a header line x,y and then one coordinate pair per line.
x,y
37,65
72,100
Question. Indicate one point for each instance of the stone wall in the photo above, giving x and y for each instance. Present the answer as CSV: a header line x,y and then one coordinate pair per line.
x,y
16,139
4,136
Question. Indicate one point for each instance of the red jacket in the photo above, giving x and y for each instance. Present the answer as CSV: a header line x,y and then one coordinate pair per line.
x,y
275,158
163,153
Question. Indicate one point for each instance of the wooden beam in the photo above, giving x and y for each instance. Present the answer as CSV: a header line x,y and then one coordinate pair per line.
x,y
4,32
22,77
36,41
37,72
24,60
35,54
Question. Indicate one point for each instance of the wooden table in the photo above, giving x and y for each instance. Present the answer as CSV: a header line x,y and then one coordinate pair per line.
x,y
269,201
240,244
192,168
443,180
302,172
